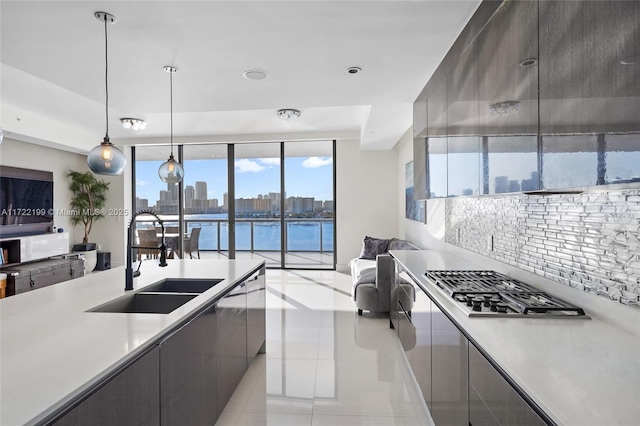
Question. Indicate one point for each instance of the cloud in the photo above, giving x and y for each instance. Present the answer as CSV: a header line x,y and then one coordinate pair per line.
x,y
142,183
315,162
244,165
271,162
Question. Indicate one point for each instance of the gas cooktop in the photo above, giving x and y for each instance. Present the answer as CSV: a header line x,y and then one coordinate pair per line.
x,y
489,293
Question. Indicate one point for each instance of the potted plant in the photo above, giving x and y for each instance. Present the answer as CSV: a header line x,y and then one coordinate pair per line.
x,y
87,204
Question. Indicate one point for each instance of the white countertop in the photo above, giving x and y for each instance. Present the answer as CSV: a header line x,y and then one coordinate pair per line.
x,y
580,372
51,349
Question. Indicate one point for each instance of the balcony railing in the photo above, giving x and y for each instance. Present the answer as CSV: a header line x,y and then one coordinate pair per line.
x,y
301,234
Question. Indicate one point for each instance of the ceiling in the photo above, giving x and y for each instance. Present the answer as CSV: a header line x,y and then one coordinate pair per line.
x,y
53,70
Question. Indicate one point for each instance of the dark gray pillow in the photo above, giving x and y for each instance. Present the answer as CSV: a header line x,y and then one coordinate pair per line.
x,y
398,244
372,247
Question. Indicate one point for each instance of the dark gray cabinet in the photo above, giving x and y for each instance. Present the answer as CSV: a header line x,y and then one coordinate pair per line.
x,y
589,92
458,384
187,377
552,88
437,141
492,401
417,341
231,312
508,98
420,148
188,373
256,315
463,142
130,398
449,381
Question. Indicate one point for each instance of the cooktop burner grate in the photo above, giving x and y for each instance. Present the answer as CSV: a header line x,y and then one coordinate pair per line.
x,y
463,282
489,293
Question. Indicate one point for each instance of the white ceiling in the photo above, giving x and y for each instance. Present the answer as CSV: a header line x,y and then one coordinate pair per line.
x,y
52,76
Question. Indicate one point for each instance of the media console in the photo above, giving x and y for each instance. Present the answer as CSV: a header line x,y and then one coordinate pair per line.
x,y
33,247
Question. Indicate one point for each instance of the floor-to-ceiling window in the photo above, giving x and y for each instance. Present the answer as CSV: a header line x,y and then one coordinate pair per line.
x,y
309,204
257,172
234,195
206,203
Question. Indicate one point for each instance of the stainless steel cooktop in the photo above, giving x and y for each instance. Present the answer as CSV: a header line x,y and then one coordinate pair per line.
x,y
489,293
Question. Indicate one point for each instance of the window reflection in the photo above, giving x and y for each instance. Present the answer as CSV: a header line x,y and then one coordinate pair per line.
x,y
569,161
437,167
622,158
511,164
463,164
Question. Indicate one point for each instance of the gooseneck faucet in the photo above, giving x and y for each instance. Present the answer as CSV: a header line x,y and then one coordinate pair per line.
x,y
129,274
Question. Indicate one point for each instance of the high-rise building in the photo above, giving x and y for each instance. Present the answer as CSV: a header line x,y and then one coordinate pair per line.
x,y
172,189
502,184
189,193
201,190
299,204
142,204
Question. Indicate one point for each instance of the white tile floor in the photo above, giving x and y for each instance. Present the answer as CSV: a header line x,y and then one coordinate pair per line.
x,y
324,364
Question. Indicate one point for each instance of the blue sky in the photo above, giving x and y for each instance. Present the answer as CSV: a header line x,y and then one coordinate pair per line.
x,y
304,177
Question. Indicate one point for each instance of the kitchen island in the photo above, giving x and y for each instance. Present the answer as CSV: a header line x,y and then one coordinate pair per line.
x,y
573,371
55,351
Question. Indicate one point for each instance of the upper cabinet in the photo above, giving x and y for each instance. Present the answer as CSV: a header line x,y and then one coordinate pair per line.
x,y
536,95
508,98
589,92
437,141
420,148
463,141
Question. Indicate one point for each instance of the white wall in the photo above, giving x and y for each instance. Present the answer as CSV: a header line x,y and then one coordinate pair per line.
x,y
369,195
431,234
107,233
15,153
366,198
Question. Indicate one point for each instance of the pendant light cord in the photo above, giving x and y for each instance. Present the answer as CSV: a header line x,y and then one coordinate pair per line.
x,y
171,107
106,74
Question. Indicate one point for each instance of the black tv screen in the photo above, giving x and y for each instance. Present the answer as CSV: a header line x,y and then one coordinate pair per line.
x,y
26,201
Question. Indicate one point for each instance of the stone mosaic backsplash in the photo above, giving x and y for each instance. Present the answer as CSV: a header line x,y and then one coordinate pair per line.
x,y
589,241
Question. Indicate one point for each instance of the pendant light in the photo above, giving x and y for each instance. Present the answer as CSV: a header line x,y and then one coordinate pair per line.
x,y
171,171
106,159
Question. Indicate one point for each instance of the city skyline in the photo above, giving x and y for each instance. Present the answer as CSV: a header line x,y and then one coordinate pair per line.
x,y
195,201
304,177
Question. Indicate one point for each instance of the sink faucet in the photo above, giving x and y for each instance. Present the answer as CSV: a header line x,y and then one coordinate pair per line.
x,y
129,274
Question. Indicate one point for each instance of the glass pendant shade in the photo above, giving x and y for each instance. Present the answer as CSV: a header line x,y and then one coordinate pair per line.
x,y
106,159
171,171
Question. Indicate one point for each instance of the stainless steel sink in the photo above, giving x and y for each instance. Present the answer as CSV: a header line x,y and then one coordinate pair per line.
x,y
145,303
181,285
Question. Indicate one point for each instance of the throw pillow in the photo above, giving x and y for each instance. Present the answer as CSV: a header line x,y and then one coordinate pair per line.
x,y
398,244
372,247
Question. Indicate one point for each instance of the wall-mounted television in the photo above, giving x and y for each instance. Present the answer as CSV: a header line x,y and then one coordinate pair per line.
x,y
26,202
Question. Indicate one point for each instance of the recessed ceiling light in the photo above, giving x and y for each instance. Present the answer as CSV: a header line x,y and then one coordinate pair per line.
x,y
631,60
255,75
353,70
528,62
133,123
288,114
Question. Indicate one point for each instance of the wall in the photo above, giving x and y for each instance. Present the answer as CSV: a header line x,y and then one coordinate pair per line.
x,y
429,235
588,241
581,247
366,198
30,156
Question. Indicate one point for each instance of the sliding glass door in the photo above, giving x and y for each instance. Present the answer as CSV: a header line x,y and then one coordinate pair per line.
x,y
257,173
206,203
309,204
272,201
